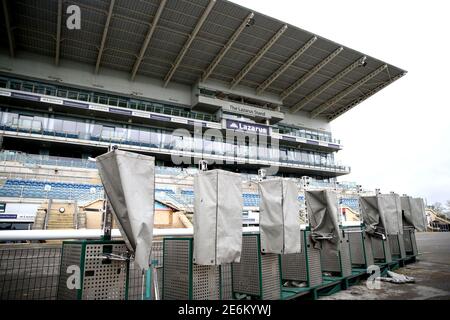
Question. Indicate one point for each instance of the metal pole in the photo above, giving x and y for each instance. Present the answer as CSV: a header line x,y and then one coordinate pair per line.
x,y
62,234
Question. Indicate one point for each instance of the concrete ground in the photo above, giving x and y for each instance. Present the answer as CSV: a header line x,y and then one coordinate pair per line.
x,y
431,272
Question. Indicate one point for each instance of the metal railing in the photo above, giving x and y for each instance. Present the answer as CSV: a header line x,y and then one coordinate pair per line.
x,y
36,159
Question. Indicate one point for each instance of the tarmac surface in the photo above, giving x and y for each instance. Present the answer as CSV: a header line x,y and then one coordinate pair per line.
x,y
431,273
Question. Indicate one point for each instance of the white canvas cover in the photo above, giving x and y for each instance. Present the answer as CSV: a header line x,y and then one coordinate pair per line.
x,y
322,207
414,212
129,182
382,213
218,205
279,221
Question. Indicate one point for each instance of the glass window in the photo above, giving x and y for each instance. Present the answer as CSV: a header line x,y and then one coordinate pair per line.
x,y
27,86
81,128
274,154
69,126
107,132
144,137
291,155
50,91
36,125
102,99
120,134
3,83
123,103
112,101
198,144
56,124
96,130
167,142
263,153
157,108
132,104
15,85
62,93
155,139
72,95
83,96
25,122
133,135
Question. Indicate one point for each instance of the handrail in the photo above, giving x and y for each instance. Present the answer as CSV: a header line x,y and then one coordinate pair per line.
x,y
63,234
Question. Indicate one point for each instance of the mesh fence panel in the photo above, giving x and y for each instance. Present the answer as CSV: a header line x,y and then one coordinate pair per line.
x,y
31,271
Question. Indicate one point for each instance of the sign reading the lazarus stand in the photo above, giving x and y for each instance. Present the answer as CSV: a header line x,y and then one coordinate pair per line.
x,y
247,110
247,127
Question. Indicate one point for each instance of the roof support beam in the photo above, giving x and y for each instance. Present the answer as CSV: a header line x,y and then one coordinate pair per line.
x,y
147,39
257,57
263,86
8,28
58,33
327,84
325,106
226,47
364,97
310,73
105,33
189,42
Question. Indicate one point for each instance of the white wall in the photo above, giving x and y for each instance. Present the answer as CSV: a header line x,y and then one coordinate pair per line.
x,y
303,119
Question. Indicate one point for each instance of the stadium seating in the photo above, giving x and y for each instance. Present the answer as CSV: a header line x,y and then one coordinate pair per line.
x,y
37,189
352,203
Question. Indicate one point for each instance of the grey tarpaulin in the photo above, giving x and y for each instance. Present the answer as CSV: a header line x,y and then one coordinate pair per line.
x,y
420,217
218,207
322,207
391,209
414,212
129,182
279,221
373,221
382,213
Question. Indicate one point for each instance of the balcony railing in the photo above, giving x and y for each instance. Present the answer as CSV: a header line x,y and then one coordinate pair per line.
x,y
238,153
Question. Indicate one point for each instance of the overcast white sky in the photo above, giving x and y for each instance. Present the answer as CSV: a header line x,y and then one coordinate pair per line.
x,y
399,139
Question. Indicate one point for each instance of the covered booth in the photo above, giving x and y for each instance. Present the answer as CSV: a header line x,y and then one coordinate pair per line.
x,y
199,267
361,253
258,274
104,265
413,218
383,223
327,234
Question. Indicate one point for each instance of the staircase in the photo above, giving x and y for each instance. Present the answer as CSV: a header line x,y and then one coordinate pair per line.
x,y
39,221
58,220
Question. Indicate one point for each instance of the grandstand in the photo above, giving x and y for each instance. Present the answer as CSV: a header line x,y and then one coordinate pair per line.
x,y
182,81
171,190
217,71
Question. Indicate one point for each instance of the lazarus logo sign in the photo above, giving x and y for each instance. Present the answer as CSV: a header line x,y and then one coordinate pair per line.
x,y
247,127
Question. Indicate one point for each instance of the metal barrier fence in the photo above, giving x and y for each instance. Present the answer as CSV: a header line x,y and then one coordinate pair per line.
x,y
31,271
